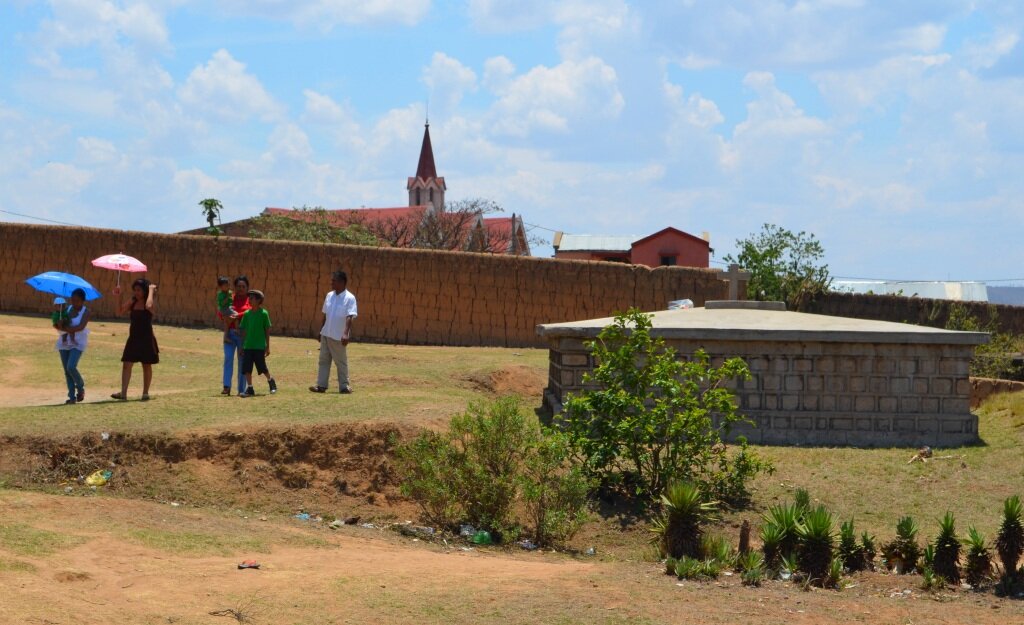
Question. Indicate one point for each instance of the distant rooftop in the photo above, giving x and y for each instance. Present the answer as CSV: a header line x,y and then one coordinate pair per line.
x,y
599,242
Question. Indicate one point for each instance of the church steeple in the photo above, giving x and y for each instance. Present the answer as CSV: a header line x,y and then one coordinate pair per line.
x,y
426,188
426,168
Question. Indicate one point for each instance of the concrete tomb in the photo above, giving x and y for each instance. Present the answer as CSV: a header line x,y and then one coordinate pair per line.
x,y
817,380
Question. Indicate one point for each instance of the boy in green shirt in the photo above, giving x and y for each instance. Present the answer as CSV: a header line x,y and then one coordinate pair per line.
x,y
255,328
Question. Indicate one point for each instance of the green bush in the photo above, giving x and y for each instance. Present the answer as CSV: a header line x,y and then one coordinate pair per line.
x,y
680,530
654,419
492,458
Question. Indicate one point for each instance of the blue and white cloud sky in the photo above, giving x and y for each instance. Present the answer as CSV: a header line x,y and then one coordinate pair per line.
x,y
893,130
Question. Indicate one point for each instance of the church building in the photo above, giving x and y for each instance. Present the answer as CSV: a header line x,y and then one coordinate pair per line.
x,y
424,223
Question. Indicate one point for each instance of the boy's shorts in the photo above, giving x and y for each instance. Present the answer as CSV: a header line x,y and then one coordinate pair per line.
x,y
257,357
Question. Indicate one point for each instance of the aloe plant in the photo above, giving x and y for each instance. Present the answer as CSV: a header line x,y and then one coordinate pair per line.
x,y
1010,540
802,500
751,565
902,553
834,575
947,550
851,553
817,536
867,546
979,559
786,518
685,514
771,544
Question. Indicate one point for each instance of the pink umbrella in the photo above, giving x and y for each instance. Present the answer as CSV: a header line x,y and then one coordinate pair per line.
x,y
119,263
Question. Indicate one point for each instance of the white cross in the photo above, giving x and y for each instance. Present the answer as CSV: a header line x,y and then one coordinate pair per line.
x,y
733,276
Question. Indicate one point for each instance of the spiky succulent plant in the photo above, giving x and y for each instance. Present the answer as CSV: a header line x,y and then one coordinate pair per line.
x,y
1010,540
684,514
979,559
947,550
817,538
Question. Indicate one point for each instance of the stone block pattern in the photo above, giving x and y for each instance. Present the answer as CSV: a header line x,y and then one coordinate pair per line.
x,y
823,393
405,296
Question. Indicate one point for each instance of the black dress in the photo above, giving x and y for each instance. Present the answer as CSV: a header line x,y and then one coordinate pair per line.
x,y
141,345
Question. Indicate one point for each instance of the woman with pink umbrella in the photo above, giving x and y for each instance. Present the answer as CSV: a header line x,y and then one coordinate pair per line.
x,y
141,345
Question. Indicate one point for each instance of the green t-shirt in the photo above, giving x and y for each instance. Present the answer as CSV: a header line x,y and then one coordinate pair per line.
x,y
254,325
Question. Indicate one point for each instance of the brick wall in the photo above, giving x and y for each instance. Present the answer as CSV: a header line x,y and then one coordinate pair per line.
x,y
825,393
917,310
405,296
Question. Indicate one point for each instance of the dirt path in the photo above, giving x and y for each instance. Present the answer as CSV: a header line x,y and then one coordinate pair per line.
x,y
139,562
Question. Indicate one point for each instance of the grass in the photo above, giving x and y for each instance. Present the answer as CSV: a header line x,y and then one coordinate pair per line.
x,y
425,385
197,543
395,383
25,540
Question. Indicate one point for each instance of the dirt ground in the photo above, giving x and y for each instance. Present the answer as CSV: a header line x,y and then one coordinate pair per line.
x,y
116,572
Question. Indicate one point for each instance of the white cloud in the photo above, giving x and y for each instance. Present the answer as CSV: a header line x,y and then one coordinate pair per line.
x,y
498,71
326,14
554,98
322,112
84,22
223,88
448,79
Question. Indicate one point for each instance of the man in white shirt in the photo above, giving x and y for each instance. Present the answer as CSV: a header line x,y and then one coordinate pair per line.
x,y
339,311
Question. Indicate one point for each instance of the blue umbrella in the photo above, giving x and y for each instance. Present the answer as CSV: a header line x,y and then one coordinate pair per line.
x,y
60,283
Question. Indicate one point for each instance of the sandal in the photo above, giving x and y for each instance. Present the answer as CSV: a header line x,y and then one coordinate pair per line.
x,y
144,397
118,396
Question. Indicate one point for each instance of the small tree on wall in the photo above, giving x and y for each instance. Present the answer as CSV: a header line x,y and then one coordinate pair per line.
x,y
211,211
784,266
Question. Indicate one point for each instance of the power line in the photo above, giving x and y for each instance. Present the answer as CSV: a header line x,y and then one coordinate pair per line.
x,y
39,218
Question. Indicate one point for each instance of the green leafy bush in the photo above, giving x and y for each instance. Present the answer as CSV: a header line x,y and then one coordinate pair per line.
x,y
902,553
1010,539
816,536
684,514
947,550
492,458
654,418
979,558
995,358
852,553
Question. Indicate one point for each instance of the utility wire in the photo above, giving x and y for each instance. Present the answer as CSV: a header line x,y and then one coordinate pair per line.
x,y
39,218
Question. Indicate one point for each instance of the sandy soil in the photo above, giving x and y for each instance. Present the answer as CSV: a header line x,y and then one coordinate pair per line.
x,y
358,575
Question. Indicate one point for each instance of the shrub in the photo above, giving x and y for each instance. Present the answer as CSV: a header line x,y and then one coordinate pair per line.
x,y
802,500
555,493
752,568
834,574
1010,540
771,545
787,519
717,548
654,419
979,559
947,550
491,458
867,544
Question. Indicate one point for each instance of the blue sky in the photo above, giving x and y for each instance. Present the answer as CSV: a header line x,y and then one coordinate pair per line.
x,y
891,130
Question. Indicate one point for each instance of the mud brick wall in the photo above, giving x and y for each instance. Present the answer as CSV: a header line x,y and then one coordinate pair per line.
x,y
825,393
405,296
921,311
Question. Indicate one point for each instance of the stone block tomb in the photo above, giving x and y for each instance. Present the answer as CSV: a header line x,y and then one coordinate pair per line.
x,y
816,380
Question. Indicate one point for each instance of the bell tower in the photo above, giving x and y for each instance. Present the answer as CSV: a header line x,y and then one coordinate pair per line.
x,y
426,188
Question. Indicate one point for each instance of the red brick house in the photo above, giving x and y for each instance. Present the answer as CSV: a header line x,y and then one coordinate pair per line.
x,y
666,247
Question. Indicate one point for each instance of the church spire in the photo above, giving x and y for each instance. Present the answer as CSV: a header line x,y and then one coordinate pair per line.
x,y
426,168
426,188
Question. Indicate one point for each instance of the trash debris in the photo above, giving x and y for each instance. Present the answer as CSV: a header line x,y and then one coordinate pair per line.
x,y
249,564
335,524
680,304
99,477
105,436
482,537
467,531
590,551
528,545
175,504
416,531
69,489
303,516
922,455
369,526
352,520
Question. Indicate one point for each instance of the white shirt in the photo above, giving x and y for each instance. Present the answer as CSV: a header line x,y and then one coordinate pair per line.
x,y
81,337
338,307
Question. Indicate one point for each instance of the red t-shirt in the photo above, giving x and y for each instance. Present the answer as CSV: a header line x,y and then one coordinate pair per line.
x,y
241,304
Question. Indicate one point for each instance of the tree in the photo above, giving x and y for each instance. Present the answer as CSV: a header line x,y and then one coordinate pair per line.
x,y
211,211
309,224
652,419
453,228
783,266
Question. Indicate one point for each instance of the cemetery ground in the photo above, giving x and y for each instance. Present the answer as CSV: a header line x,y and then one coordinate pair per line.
x,y
201,482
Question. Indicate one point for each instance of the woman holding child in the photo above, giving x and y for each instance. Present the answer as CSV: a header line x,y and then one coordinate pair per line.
x,y
141,344
74,336
232,337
